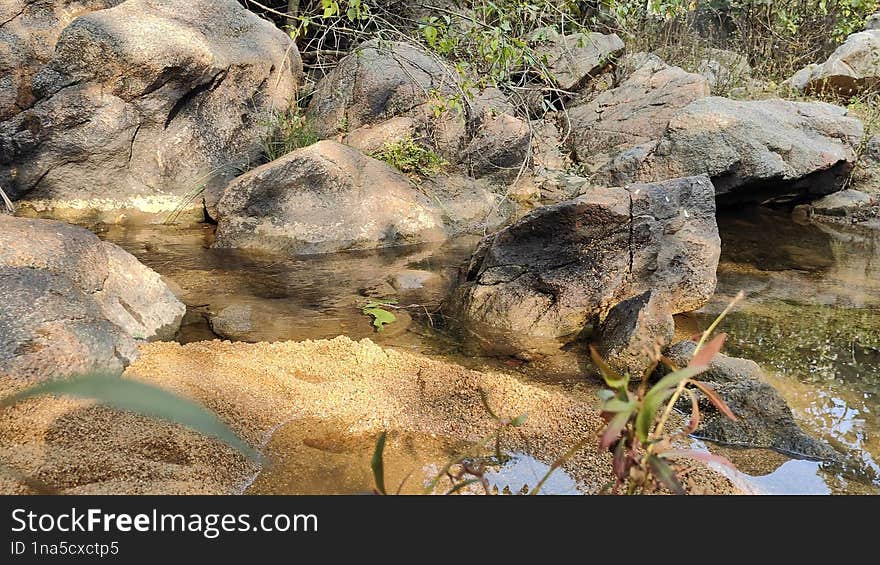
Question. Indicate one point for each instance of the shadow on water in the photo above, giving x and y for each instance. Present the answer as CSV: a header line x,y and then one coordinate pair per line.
x,y
811,317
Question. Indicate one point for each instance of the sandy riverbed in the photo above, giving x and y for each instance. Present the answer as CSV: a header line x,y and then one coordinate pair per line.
x,y
255,388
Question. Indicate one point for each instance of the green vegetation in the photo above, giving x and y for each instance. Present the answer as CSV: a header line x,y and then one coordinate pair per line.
x,y
643,448
411,158
286,132
376,310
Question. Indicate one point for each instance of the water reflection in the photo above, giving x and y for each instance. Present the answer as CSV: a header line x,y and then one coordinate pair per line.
x,y
812,317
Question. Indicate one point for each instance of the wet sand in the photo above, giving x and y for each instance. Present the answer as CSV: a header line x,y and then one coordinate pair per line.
x,y
360,387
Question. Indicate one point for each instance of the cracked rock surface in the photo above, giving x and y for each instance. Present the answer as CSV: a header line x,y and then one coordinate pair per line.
x,y
141,103
71,303
537,284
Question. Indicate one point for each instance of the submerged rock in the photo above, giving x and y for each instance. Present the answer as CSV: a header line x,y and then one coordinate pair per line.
x,y
142,104
632,330
852,67
538,283
89,300
324,198
764,420
752,150
634,113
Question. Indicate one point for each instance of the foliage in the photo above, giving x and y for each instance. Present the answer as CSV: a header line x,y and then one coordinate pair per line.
x,y
381,316
643,450
777,37
411,158
286,132
463,470
130,396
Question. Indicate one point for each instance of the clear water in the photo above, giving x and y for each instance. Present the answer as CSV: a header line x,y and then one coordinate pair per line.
x,y
811,317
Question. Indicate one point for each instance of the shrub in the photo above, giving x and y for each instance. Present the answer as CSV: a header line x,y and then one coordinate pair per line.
x,y
411,158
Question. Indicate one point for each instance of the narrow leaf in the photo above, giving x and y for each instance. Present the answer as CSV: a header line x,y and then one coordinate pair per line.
x,y
612,378
704,356
378,464
694,422
141,398
616,405
613,429
664,473
713,397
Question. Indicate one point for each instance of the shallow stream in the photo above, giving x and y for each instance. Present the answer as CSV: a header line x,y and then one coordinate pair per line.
x,y
811,317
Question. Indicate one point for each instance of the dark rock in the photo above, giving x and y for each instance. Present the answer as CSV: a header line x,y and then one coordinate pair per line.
x,y
632,330
764,420
537,284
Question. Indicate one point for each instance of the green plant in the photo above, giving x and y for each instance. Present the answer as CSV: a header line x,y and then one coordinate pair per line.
x,y
636,428
411,158
130,396
286,132
376,310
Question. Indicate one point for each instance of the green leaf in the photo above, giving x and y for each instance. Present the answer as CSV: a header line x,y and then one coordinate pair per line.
x,y
378,464
664,473
519,420
380,317
141,398
606,395
616,405
612,378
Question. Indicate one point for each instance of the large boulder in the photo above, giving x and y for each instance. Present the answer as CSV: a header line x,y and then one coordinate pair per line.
x,y
50,328
538,283
574,59
142,104
852,67
129,294
634,113
324,198
379,80
72,303
764,420
388,91
752,150
28,34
